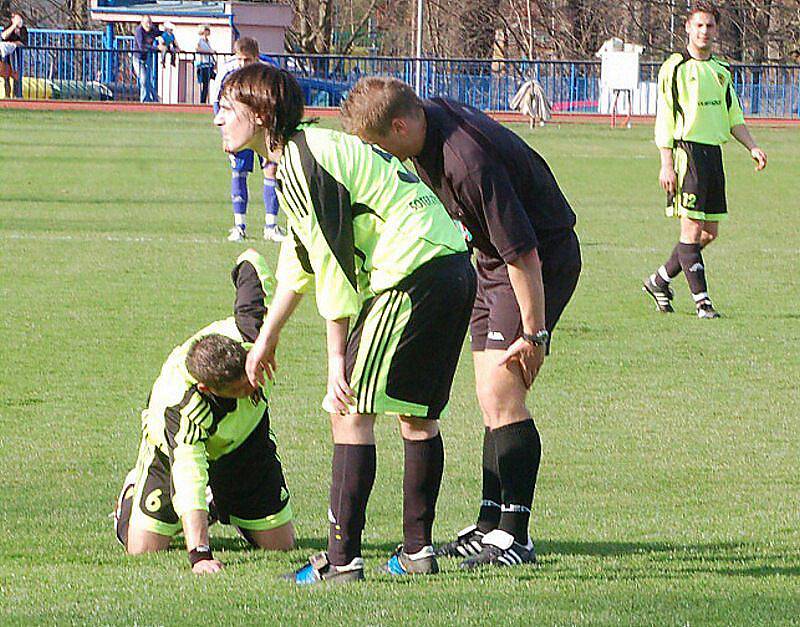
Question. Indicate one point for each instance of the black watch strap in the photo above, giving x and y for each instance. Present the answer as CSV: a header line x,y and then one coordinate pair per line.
x,y
200,553
539,338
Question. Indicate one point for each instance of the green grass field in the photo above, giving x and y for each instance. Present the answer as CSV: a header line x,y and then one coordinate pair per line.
x,y
668,492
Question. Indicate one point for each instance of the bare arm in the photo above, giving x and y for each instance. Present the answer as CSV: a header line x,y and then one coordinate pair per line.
x,y
666,176
339,395
525,274
262,355
195,530
743,136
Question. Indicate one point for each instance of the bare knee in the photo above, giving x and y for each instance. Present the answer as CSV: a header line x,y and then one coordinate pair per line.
x,y
502,407
707,237
418,429
278,539
141,541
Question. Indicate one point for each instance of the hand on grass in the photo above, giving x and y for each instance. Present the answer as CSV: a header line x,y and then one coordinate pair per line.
x,y
207,567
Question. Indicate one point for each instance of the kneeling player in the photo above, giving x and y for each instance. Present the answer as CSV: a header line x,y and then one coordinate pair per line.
x,y
206,426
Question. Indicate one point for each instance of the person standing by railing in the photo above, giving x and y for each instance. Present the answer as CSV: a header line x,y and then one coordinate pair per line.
x,y
205,61
15,37
144,53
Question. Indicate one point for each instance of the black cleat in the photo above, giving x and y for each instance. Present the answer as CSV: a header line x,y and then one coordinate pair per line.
x,y
420,563
466,544
662,295
706,310
500,549
320,570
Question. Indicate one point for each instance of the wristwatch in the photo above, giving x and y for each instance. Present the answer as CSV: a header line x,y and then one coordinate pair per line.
x,y
539,338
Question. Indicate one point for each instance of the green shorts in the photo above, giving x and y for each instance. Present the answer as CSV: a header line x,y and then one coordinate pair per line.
x,y
248,487
404,347
700,192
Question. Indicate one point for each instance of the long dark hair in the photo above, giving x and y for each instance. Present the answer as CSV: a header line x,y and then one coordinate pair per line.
x,y
272,94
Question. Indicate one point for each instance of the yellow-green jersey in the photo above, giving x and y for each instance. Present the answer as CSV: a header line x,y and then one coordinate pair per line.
x,y
696,102
359,220
193,427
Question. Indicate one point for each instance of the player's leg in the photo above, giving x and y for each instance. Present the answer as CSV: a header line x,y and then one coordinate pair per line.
x,y
512,433
693,265
241,166
272,232
658,284
250,491
422,477
352,478
144,519
468,541
429,315
517,447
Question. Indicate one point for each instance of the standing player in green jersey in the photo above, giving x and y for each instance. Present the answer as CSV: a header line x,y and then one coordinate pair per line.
x,y
206,426
381,249
698,111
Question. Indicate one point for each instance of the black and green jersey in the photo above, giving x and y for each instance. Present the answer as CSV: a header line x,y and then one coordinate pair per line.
x,y
192,427
360,221
696,102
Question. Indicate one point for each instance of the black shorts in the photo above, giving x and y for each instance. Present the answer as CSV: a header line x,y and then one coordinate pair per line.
x,y
496,320
700,192
403,350
247,484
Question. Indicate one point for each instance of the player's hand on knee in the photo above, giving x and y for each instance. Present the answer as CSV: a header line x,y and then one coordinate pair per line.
x,y
667,179
530,358
207,567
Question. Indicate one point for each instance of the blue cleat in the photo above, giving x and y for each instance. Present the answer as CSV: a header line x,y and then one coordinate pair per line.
x,y
421,563
320,570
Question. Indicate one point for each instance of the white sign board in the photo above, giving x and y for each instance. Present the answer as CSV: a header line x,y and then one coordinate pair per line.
x,y
620,70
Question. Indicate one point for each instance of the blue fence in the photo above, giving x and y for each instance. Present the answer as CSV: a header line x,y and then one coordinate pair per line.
x,y
97,65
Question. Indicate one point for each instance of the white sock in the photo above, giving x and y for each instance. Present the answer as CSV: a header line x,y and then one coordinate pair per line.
x,y
238,219
270,220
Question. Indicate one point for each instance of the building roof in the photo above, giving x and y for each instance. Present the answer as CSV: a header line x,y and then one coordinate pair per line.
x,y
188,8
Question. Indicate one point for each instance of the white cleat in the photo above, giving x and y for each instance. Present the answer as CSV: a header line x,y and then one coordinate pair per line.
x,y
274,233
237,234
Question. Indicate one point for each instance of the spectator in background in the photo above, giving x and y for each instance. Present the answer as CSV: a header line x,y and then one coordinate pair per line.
x,y
145,47
14,38
205,62
167,44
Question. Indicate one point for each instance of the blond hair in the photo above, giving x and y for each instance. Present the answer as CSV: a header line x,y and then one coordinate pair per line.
x,y
375,101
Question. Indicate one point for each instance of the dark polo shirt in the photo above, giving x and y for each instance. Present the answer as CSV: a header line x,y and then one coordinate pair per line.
x,y
490,180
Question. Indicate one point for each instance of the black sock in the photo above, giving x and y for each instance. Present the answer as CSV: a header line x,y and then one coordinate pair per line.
x,y
489,515
351,483
672,268
424,464
693,268
519,450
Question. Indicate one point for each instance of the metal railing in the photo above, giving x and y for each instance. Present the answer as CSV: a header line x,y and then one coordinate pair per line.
x,y
73,69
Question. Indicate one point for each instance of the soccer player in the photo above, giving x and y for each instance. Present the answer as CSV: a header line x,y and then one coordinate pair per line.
x,y
381,249
528,259
698,111
246,52
206,426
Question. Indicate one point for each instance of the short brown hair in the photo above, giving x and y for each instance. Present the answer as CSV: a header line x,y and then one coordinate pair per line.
x,y
271,94
375,101
246,46
216,360
703,7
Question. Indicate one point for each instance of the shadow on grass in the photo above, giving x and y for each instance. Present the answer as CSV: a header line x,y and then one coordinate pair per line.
x,y
311,545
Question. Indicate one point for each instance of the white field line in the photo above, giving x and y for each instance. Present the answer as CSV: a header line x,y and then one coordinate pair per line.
x,y
158,239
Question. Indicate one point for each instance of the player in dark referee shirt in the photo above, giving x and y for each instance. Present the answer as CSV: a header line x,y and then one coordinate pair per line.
x,y
528,259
